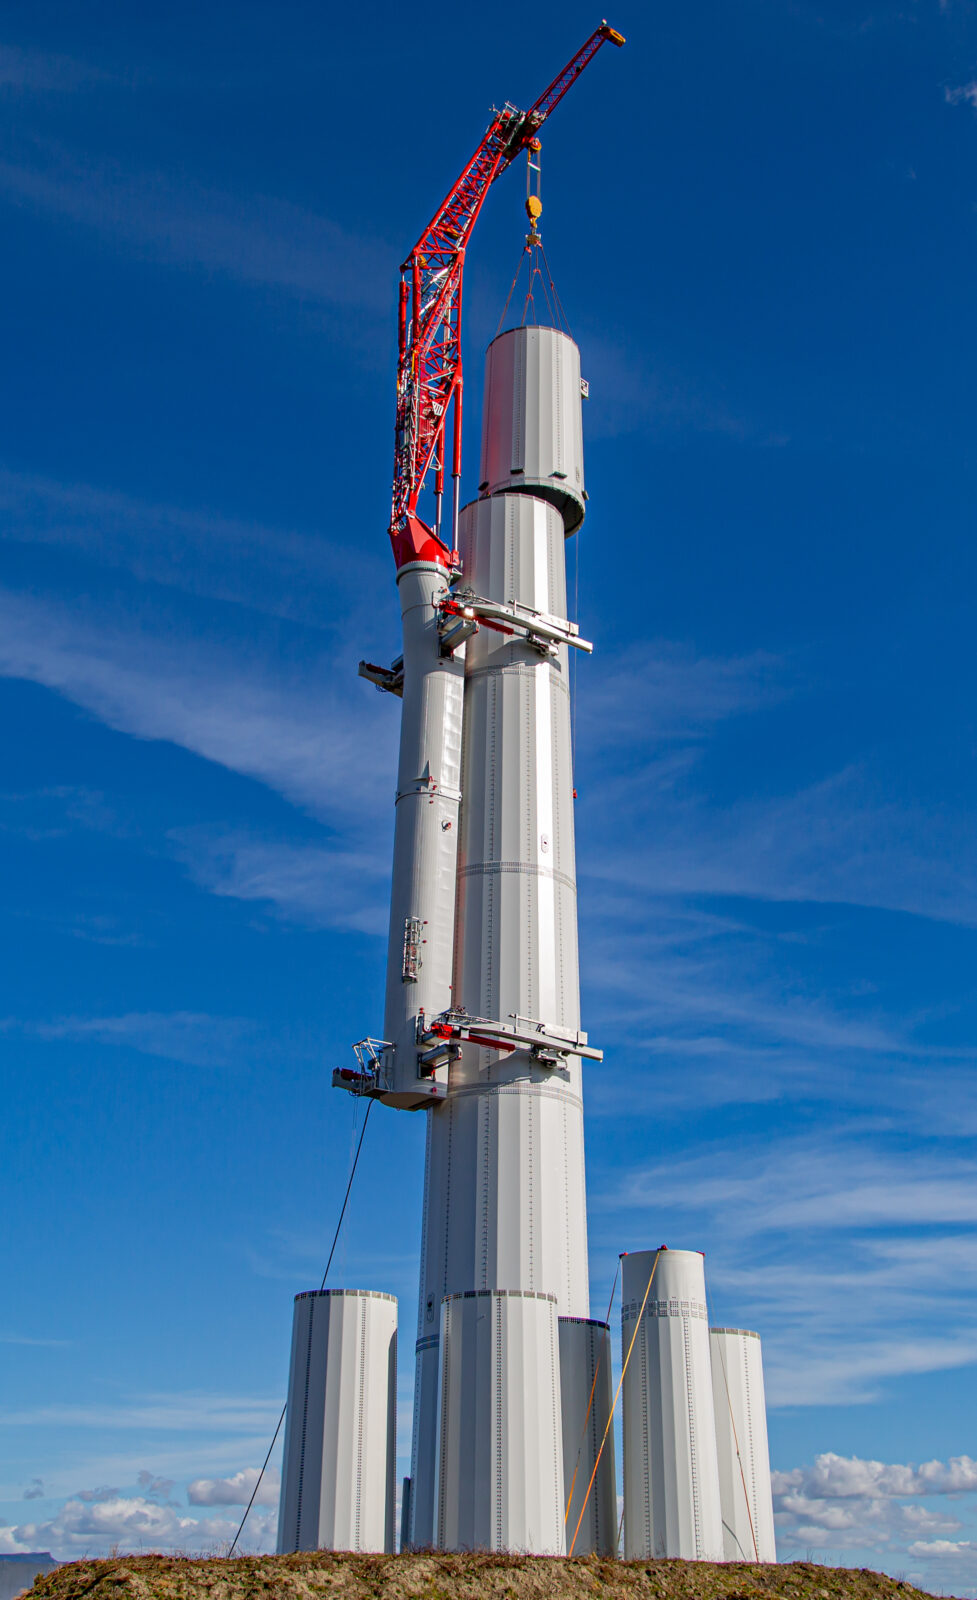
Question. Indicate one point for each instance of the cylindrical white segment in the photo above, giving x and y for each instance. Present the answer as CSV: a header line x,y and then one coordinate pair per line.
x,y
422,898
671,1472
587,1395
741,1437
532,434
500,1455
338,1484
516,941
504,1198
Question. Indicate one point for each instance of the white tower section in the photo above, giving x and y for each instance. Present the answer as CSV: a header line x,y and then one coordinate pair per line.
x,y
500,1461
340,1438
671,1471
535,448
504,1198
419,952
741,1436
585,1384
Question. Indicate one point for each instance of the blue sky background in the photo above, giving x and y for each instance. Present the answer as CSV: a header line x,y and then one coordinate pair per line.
x,y
762,218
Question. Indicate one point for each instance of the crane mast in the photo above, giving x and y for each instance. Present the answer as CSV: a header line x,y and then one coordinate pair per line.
x,y
429,366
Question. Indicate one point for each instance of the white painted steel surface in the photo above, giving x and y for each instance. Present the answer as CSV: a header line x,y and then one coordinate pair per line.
x,y
505,1202
671,1472
504,1195
532,435
516,940
500,1458
338,1485
425,834
587,1396
741,1437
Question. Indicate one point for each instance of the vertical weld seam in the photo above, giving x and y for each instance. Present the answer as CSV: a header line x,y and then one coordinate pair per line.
x,y
360,1424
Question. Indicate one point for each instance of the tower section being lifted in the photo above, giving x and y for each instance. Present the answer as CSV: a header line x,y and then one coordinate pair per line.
x,y
504,1200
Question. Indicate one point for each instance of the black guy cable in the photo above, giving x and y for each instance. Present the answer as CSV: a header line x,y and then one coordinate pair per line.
x,y
332,1252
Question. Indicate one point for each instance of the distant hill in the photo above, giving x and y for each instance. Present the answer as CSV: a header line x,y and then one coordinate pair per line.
x,y
17,1573
324,1576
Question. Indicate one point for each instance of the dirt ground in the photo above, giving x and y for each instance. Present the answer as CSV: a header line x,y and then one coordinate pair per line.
x,y
327,1576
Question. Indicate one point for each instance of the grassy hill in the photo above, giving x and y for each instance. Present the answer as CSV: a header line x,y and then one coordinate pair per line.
x,y
325,1576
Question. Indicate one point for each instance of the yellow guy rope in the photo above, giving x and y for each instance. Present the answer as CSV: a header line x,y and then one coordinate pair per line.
x,y
610,1419
593,1386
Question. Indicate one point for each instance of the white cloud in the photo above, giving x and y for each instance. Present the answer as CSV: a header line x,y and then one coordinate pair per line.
x,y
943,1548
845,1477
847,1504
236,1490
319,743
83,1528
89,1527
964,94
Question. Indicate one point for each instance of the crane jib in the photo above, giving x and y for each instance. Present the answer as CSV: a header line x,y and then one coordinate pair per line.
x,y
429,373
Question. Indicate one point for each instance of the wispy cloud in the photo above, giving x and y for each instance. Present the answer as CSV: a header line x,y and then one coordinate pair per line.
x,y
963,94
39,72
33,1343
302,735
662,693
833,842
833,1243
632,391
165,1413
275,570
316,885
255,239
840,840
184,1036
816,1182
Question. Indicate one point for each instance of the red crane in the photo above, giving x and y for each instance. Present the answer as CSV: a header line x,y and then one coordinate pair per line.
x,y
429,373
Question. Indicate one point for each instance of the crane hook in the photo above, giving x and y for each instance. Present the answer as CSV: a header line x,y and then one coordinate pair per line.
x,y
534,205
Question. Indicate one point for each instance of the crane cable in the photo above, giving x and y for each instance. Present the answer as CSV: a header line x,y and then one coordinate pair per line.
x,y
332,1252
739,1461
590,1402
610,1419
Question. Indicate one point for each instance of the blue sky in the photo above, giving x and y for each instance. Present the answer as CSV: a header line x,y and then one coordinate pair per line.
x,y
762,218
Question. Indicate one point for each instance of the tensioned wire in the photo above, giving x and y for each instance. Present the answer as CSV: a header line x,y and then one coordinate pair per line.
x,y
617,1393
554,304
739,1457
332,1252
590,1402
